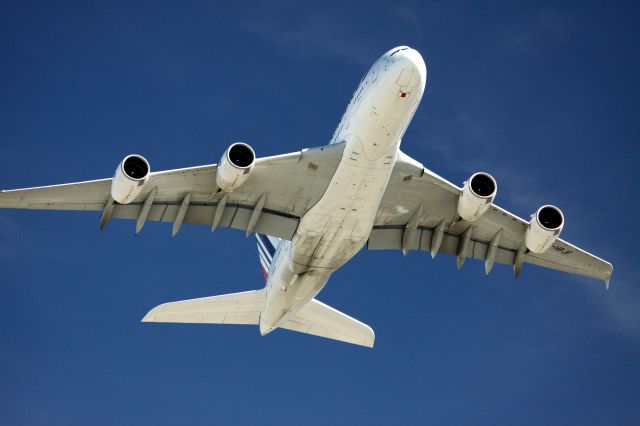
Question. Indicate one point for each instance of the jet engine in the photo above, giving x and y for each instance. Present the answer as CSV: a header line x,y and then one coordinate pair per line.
x,y
477,195
131,176
235,166
544,229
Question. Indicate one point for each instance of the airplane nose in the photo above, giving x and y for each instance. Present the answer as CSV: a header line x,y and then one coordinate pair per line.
x,y
407,69
411,59
395,51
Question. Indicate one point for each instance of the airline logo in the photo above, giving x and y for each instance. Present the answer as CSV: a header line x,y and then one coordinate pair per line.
x,y
266,251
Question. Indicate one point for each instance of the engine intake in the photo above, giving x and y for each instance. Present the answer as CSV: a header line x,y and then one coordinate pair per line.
x,y
477,195
235,166
544,229
131,175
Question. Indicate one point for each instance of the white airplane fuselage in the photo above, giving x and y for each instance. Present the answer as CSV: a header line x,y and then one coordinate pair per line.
x,y
340,223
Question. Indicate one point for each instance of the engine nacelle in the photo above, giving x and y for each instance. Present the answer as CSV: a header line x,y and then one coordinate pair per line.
x,y
544,229
477,195
235,166
131,176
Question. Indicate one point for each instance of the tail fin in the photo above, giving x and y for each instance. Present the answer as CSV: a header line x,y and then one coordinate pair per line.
x,y
266,250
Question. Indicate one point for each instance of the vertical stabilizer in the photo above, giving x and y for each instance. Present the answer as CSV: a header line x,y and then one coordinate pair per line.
x,y
266,251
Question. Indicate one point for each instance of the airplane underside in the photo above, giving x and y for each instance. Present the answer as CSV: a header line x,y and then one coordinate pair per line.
x,y
313,210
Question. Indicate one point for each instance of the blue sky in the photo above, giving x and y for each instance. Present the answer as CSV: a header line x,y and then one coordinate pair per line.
x,y
542,95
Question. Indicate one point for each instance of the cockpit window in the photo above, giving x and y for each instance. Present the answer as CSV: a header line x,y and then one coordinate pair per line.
x,y
363,77
398,50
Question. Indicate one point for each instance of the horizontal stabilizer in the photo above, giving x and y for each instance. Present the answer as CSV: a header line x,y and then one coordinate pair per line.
x,y
321,320
234,308
245,308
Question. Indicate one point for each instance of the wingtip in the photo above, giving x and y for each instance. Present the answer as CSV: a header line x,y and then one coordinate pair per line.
x,y
608,279
372,342
151,315
371,339
366,343
148,317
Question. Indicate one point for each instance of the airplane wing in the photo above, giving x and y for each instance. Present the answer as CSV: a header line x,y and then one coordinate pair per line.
x,y
322,320
290,183
411,185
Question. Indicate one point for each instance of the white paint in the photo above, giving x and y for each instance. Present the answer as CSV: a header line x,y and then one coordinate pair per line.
x,y
346,194
338,226
538,237
231,174
471,206
125,188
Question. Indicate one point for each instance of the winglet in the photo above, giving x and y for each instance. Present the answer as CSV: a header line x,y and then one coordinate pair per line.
x,y
609,273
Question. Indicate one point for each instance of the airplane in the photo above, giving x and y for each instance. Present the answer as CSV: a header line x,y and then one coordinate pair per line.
x,y
314,209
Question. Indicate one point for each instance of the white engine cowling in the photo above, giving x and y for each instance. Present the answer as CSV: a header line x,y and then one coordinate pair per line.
x,y
131,176
235,166
544,229
477,195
